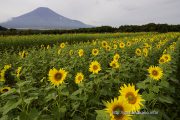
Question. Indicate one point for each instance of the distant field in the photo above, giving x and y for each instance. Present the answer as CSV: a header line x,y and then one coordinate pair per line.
x,y
27,41
90,76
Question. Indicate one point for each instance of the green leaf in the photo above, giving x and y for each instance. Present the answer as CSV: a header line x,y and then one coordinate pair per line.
x,y
102,115
29,100
50,97
164,83
155,89
11,104
166,99
34,114
20,84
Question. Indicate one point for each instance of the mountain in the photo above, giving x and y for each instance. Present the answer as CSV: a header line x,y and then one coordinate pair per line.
x,y
2,28
43,18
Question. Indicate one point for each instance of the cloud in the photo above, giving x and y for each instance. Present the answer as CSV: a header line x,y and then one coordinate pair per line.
x,y
100,12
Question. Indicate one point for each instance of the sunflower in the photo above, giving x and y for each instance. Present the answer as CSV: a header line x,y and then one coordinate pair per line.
x,y
145,52
94,43
138,52
62,45
167,57
116,57
155,72
114,41
23,54
4,89
2,75
131,95
42,46
162,60
128,43
121,45
48,46
81,52
59,51
94,67
104,44
18,71
71,52
158,46
57,76
108,48
114,64
95,52
6,67
118,108
146,45
79,77
115,46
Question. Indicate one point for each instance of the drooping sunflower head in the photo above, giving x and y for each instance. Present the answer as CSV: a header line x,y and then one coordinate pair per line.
x,y
79,77
81,52
114,64
121,45
118,108
104,44
4,89
138,52
94,67
155,72
95,52
57,77
62,45
167,57
132,96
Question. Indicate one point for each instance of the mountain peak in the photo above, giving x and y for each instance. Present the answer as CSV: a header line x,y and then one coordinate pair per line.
x,y
43,18
43,9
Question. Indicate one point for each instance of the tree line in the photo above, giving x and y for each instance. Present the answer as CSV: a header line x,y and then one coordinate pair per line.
x,y
151,27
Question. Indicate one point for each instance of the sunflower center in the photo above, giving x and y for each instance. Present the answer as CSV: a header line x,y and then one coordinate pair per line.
x,y
58,76
166,58
131,98
117,112
5,90
161,60
95,67
114,65
79,78
155,73
104,44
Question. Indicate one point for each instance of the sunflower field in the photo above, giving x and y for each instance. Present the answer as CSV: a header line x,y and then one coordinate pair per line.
x,y
118,76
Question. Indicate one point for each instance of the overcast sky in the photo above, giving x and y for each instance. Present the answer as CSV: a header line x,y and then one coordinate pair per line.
x,y
100,12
